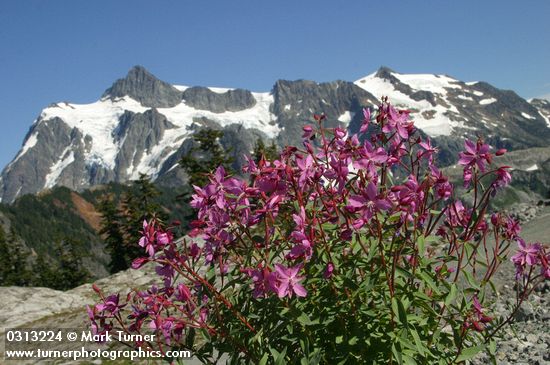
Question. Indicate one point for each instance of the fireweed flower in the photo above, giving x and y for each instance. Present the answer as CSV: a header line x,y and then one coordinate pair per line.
x,y
477,318
545,265
183,293
409,197
512,228
442,186
262,280
367,204
148,238
110,305
398,121
139,262
428,152
328,270
366,120
456,214
286,281
304,247
475,154
527,254
92,318
503,177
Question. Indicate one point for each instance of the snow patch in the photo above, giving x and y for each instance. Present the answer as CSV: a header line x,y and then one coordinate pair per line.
x,y
527,116
532,168
346,117
220,90
477,93
463,97
181,87
58,167
433,83
546,118
29,143
287,107
487,101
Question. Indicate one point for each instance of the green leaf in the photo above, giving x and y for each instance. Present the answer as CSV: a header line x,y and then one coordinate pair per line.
x,y
429,282
469,248
397,354
399,310
205,334
421,245
452,295
402,272
258,337
280,360
408,360
315,357
469,353
274,353
493,347
419,345
471,280
264,359
305,320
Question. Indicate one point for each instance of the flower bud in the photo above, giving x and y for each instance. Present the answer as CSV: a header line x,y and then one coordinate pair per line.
x,y
96,288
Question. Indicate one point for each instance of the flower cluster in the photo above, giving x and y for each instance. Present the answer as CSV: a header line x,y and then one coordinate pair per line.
x,y
530,255
349,235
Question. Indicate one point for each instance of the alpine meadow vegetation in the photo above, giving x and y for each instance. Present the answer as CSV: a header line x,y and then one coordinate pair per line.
x,y
350,249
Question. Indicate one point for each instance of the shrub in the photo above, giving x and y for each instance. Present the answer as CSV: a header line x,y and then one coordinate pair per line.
x,y
340,252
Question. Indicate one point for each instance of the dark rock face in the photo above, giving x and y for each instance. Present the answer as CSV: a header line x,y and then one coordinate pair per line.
x,y
142,86
297,101
543,107
205,99
137,134
29,171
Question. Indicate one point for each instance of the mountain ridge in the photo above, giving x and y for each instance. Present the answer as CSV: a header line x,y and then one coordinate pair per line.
x,y
141,124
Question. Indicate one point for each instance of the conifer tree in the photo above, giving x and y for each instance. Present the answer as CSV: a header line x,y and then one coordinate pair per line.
x,y
13,261
70,272
270,152
113,230
44,273
139,205
205,156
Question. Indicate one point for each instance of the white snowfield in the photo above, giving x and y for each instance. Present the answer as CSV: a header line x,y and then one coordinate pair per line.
x,y
98,120
434,121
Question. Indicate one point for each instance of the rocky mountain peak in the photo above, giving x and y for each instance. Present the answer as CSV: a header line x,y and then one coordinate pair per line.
x,y
385,72
143,86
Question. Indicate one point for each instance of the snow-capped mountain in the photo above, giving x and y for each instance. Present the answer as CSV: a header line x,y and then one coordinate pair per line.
x,y
443,106
143,125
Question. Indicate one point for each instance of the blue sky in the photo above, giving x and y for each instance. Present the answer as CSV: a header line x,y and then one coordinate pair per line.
x,y
73,50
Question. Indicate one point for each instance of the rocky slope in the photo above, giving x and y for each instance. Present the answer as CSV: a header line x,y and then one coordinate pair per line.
x,y
143,125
